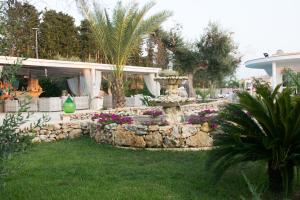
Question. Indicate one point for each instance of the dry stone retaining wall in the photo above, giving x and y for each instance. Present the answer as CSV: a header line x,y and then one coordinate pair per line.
x,y
154,136
59,131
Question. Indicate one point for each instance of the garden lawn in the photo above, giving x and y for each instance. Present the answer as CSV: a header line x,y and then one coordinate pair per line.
x,y
83,169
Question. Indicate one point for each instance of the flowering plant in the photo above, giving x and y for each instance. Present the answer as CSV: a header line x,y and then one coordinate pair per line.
x,y
153,112
110,118
208,116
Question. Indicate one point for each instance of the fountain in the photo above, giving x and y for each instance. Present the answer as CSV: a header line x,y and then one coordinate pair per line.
x,y
171,102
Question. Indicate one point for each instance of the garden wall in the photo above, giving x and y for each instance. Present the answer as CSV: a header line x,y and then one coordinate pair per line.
x,y
130,135
59,131
154,136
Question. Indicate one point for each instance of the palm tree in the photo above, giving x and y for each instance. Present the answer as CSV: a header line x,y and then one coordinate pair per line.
x,y
119,34
265,127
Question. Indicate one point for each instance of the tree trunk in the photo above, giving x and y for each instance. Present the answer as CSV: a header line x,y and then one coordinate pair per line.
x,y
275,179
118,92
191,90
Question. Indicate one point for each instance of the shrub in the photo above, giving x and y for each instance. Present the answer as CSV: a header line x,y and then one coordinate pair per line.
x,y
12,139
203,93
264,127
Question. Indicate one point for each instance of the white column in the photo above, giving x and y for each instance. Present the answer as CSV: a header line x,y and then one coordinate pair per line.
x,y
93,82
279,76
274,75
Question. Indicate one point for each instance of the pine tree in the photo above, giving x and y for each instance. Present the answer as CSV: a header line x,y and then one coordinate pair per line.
x,y
19,36
58,35
88,49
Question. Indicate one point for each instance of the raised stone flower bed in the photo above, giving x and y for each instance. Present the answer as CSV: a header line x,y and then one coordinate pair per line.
x,y
154,136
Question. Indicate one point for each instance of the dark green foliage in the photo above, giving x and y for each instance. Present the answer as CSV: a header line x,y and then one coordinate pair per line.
x,y
256,192
9,72
291,79
88,48
265,127
19,36
216,47
58,35
52,87
203,93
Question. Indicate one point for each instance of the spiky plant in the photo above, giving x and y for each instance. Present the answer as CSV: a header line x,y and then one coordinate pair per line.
x,y
119,34
264,127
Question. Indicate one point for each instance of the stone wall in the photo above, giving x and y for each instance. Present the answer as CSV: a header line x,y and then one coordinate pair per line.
x,y
154,136
133,111
59,131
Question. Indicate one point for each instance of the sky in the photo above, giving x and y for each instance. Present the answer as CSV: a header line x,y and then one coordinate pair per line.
x,y
259,26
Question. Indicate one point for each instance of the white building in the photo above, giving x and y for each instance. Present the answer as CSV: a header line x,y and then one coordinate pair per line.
x,y
275,64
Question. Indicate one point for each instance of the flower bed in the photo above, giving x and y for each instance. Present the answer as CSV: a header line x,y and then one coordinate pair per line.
x,y
205,116
103,119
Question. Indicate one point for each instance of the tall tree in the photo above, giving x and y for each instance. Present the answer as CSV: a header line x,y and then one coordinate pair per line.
x,y
136,57
217,48
157,55
186,57
209,60
58,35
119,34
187,60
150,46
88,48
19,35
161,56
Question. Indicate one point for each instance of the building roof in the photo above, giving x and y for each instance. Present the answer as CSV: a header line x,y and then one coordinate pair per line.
x,y
263,63
59,67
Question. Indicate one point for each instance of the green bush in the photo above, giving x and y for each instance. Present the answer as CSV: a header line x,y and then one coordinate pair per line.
x,y
12,139
203,93
265,127
52,87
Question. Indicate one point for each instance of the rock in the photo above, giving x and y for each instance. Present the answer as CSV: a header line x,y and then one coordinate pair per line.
x,y
139,132
67,130
74,125
175,132
43,132
75,133
84,124
201,139
49,127
154,140
37,129
128,138
103,137
169,142
139,142
51,139
43,137
56,127
188,130
165,130
36,140
142,127
153,128
130,127
61,136
205,127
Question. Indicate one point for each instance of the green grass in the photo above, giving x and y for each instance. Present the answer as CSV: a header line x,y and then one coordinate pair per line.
x,y
83,169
